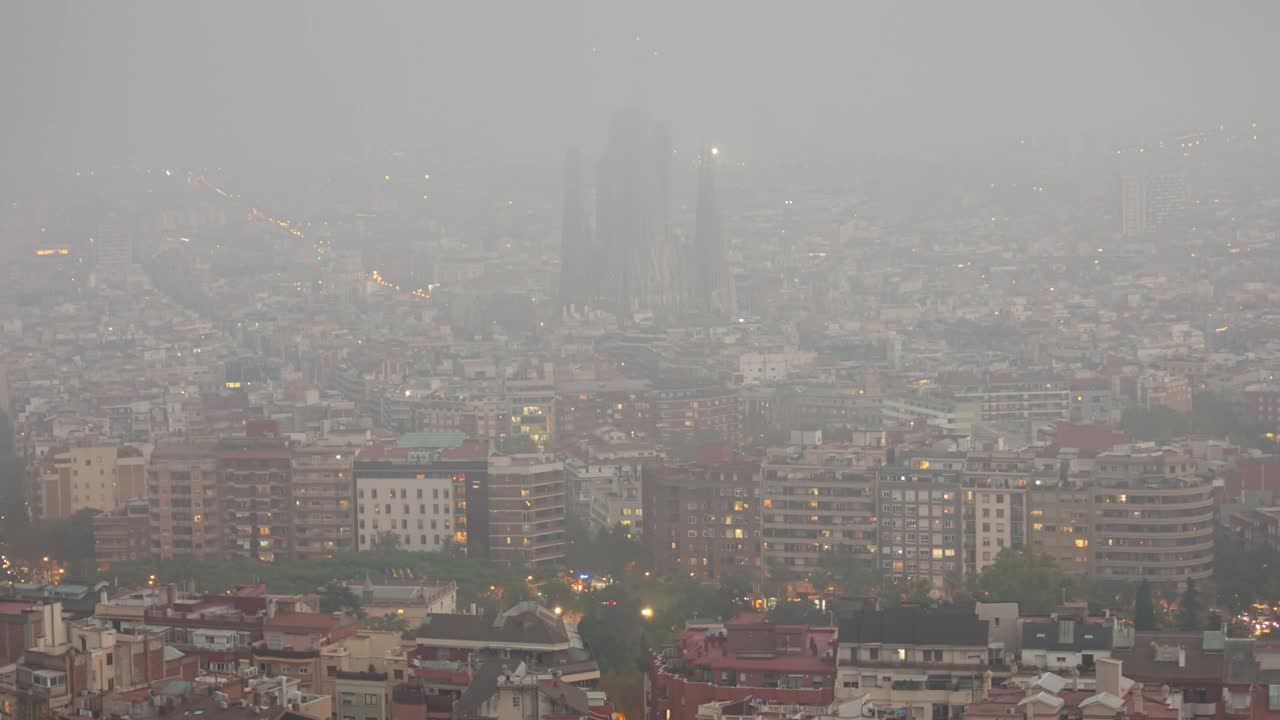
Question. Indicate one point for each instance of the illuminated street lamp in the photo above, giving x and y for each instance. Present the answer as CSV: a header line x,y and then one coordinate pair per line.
x,y
646,612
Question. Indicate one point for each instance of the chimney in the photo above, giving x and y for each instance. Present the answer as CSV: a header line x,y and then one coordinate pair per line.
x,y
1164,693
1075,678
1108,675
1137,698
986,685
1182,657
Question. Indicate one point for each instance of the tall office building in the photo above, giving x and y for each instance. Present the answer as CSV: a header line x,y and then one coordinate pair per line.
x,y
633,216
1149,202
114,248
712,286
578,269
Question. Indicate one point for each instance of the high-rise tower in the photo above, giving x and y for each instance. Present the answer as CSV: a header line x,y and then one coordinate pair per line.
x,y
577,254
712,289
633,216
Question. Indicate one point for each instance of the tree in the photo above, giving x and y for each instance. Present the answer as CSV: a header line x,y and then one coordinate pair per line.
x,y
517,445
1144,611
386,541
1214,622
736,582
895,592
797,612
337,597
390,622
1032,580
1158,424
1189,608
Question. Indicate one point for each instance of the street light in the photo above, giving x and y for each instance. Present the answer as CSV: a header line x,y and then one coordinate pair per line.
x,y
646,612
558,610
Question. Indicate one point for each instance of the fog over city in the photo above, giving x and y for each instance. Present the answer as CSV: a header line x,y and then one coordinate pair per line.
x,y
589,360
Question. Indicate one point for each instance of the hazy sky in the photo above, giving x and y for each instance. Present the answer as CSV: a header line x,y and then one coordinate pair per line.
x,y
232,82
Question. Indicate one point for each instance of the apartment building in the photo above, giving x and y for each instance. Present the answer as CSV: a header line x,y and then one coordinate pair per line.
x,y
995,508
255,498
815,501
791,664
182,490
1042,399
704,520
123,535
1153,516
921,524
526,522
685,412
90,478
322,485
930,662
953,414
1061,524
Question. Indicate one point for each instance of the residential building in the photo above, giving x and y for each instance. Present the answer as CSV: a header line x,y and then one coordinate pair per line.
x,y
256,501
704,520
291,645
689,412
1043,399
362,695
1164,389
783,664
527,632
526,510
948,412
815,501
1065,644
1061,524
605,472
508,690
90,478
1154,527
1262,404
931,662
531,403
323,513
921,525
182,489
1049,695
123,535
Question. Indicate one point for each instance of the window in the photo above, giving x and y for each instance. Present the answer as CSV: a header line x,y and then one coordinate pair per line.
x,y
348,698
370,699
1273,697
515,701
873,653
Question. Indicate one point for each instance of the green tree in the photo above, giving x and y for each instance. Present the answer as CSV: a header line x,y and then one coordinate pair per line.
x,y
1158,424
797,612
13,495
1214,621
386,541
1032,580
895,592
517,444
391,623
736,582
1189,608
1144,611
337,597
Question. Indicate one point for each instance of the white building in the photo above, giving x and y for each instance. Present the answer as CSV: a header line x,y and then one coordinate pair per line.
x,y
407,501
